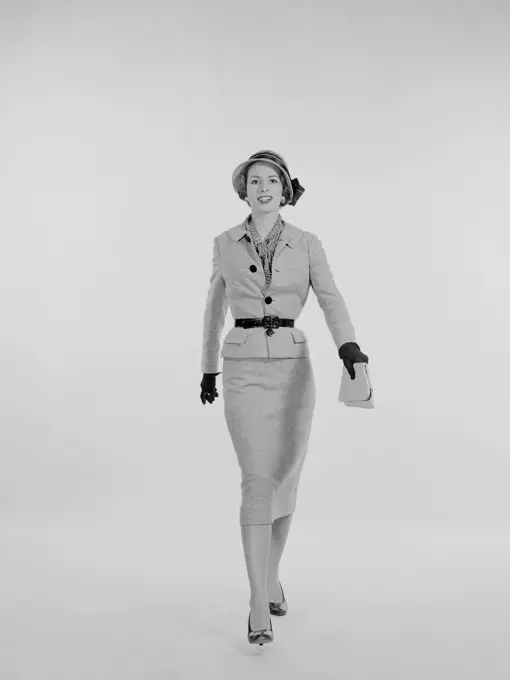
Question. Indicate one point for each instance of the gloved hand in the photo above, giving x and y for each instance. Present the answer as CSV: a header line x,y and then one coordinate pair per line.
x,y
350,354
208,385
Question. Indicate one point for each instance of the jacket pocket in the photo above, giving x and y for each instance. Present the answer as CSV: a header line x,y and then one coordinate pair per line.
x,y
236,335
298,335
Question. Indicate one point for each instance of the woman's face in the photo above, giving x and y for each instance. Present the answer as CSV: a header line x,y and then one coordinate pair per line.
x,y
263,181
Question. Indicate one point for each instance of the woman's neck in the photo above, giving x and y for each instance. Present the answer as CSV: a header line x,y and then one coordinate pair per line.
x,y
263,223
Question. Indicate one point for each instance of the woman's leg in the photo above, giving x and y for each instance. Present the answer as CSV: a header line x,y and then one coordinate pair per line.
x,y
279,534
256,544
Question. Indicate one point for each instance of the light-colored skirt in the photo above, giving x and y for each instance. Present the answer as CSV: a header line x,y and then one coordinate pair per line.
x,y
269,405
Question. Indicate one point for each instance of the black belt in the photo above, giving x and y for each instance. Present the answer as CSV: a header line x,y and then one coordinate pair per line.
x,y
266,322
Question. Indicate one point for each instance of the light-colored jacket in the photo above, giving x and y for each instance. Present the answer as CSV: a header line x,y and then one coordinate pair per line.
x,y
238,281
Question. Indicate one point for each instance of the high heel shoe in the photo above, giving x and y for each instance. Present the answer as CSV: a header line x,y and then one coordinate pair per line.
x,y
279,608
260,637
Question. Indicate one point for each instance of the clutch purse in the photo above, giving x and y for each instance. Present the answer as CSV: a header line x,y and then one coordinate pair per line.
x,y
357,392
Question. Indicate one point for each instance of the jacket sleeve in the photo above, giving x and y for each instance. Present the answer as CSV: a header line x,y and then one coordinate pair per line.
x,y
216,308
329,297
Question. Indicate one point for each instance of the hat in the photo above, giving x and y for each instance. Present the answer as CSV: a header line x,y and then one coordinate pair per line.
x,y
294,187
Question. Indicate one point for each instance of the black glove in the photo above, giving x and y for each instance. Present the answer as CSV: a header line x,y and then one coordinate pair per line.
x,y
350,354
208,385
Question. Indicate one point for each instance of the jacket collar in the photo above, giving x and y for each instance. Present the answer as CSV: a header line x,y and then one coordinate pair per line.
x,y
290,234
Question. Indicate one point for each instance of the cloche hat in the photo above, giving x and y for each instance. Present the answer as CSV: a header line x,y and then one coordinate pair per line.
x,y
294,187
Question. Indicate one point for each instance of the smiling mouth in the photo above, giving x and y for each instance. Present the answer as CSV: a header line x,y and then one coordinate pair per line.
x,y
265,199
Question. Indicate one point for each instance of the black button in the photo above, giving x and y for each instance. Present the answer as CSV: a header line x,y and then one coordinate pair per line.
x,y
253,268
248,239
268,300
269,331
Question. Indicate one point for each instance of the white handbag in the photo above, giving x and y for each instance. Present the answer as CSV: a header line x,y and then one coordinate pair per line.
x,y
357,392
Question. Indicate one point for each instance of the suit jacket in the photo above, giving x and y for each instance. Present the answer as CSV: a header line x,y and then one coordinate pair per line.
x,y
238,281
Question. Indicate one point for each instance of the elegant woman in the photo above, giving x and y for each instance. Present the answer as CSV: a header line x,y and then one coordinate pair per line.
x,y
263,269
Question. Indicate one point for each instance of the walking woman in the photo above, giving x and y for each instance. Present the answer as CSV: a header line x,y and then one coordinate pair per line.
x,y
263,269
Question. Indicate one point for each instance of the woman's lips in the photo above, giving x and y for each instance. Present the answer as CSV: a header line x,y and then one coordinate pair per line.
x,y
265,199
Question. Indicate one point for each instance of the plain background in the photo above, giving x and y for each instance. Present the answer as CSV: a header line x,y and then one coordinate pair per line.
x,y
121,124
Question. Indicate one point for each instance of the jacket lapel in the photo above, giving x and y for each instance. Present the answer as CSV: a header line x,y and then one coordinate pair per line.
x,y
289,237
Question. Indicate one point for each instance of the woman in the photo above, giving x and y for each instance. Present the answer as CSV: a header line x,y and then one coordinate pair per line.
x,y
263,269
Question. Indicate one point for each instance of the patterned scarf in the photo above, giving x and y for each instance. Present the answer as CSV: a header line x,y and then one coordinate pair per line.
x,y
265,248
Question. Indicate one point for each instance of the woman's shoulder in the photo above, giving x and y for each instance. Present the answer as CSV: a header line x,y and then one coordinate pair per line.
x,y
232,233
238,231
301,234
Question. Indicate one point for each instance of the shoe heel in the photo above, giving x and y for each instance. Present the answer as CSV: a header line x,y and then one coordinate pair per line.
x,y
279,608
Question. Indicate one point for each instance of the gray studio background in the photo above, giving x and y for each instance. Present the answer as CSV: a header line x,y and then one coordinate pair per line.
x,y
121,124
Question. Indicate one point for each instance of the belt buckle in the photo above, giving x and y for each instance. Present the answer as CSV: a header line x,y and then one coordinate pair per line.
x,y
271,321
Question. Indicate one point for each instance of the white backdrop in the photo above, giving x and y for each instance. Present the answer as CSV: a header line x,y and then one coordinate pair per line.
x,y
121,125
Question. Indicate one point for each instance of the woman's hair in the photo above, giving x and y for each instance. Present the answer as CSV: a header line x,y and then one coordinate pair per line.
x,y
241,185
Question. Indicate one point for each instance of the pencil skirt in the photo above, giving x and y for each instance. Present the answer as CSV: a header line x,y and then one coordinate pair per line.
x,y
269,406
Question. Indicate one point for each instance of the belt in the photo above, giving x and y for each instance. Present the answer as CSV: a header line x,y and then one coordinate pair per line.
x,y
266,322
